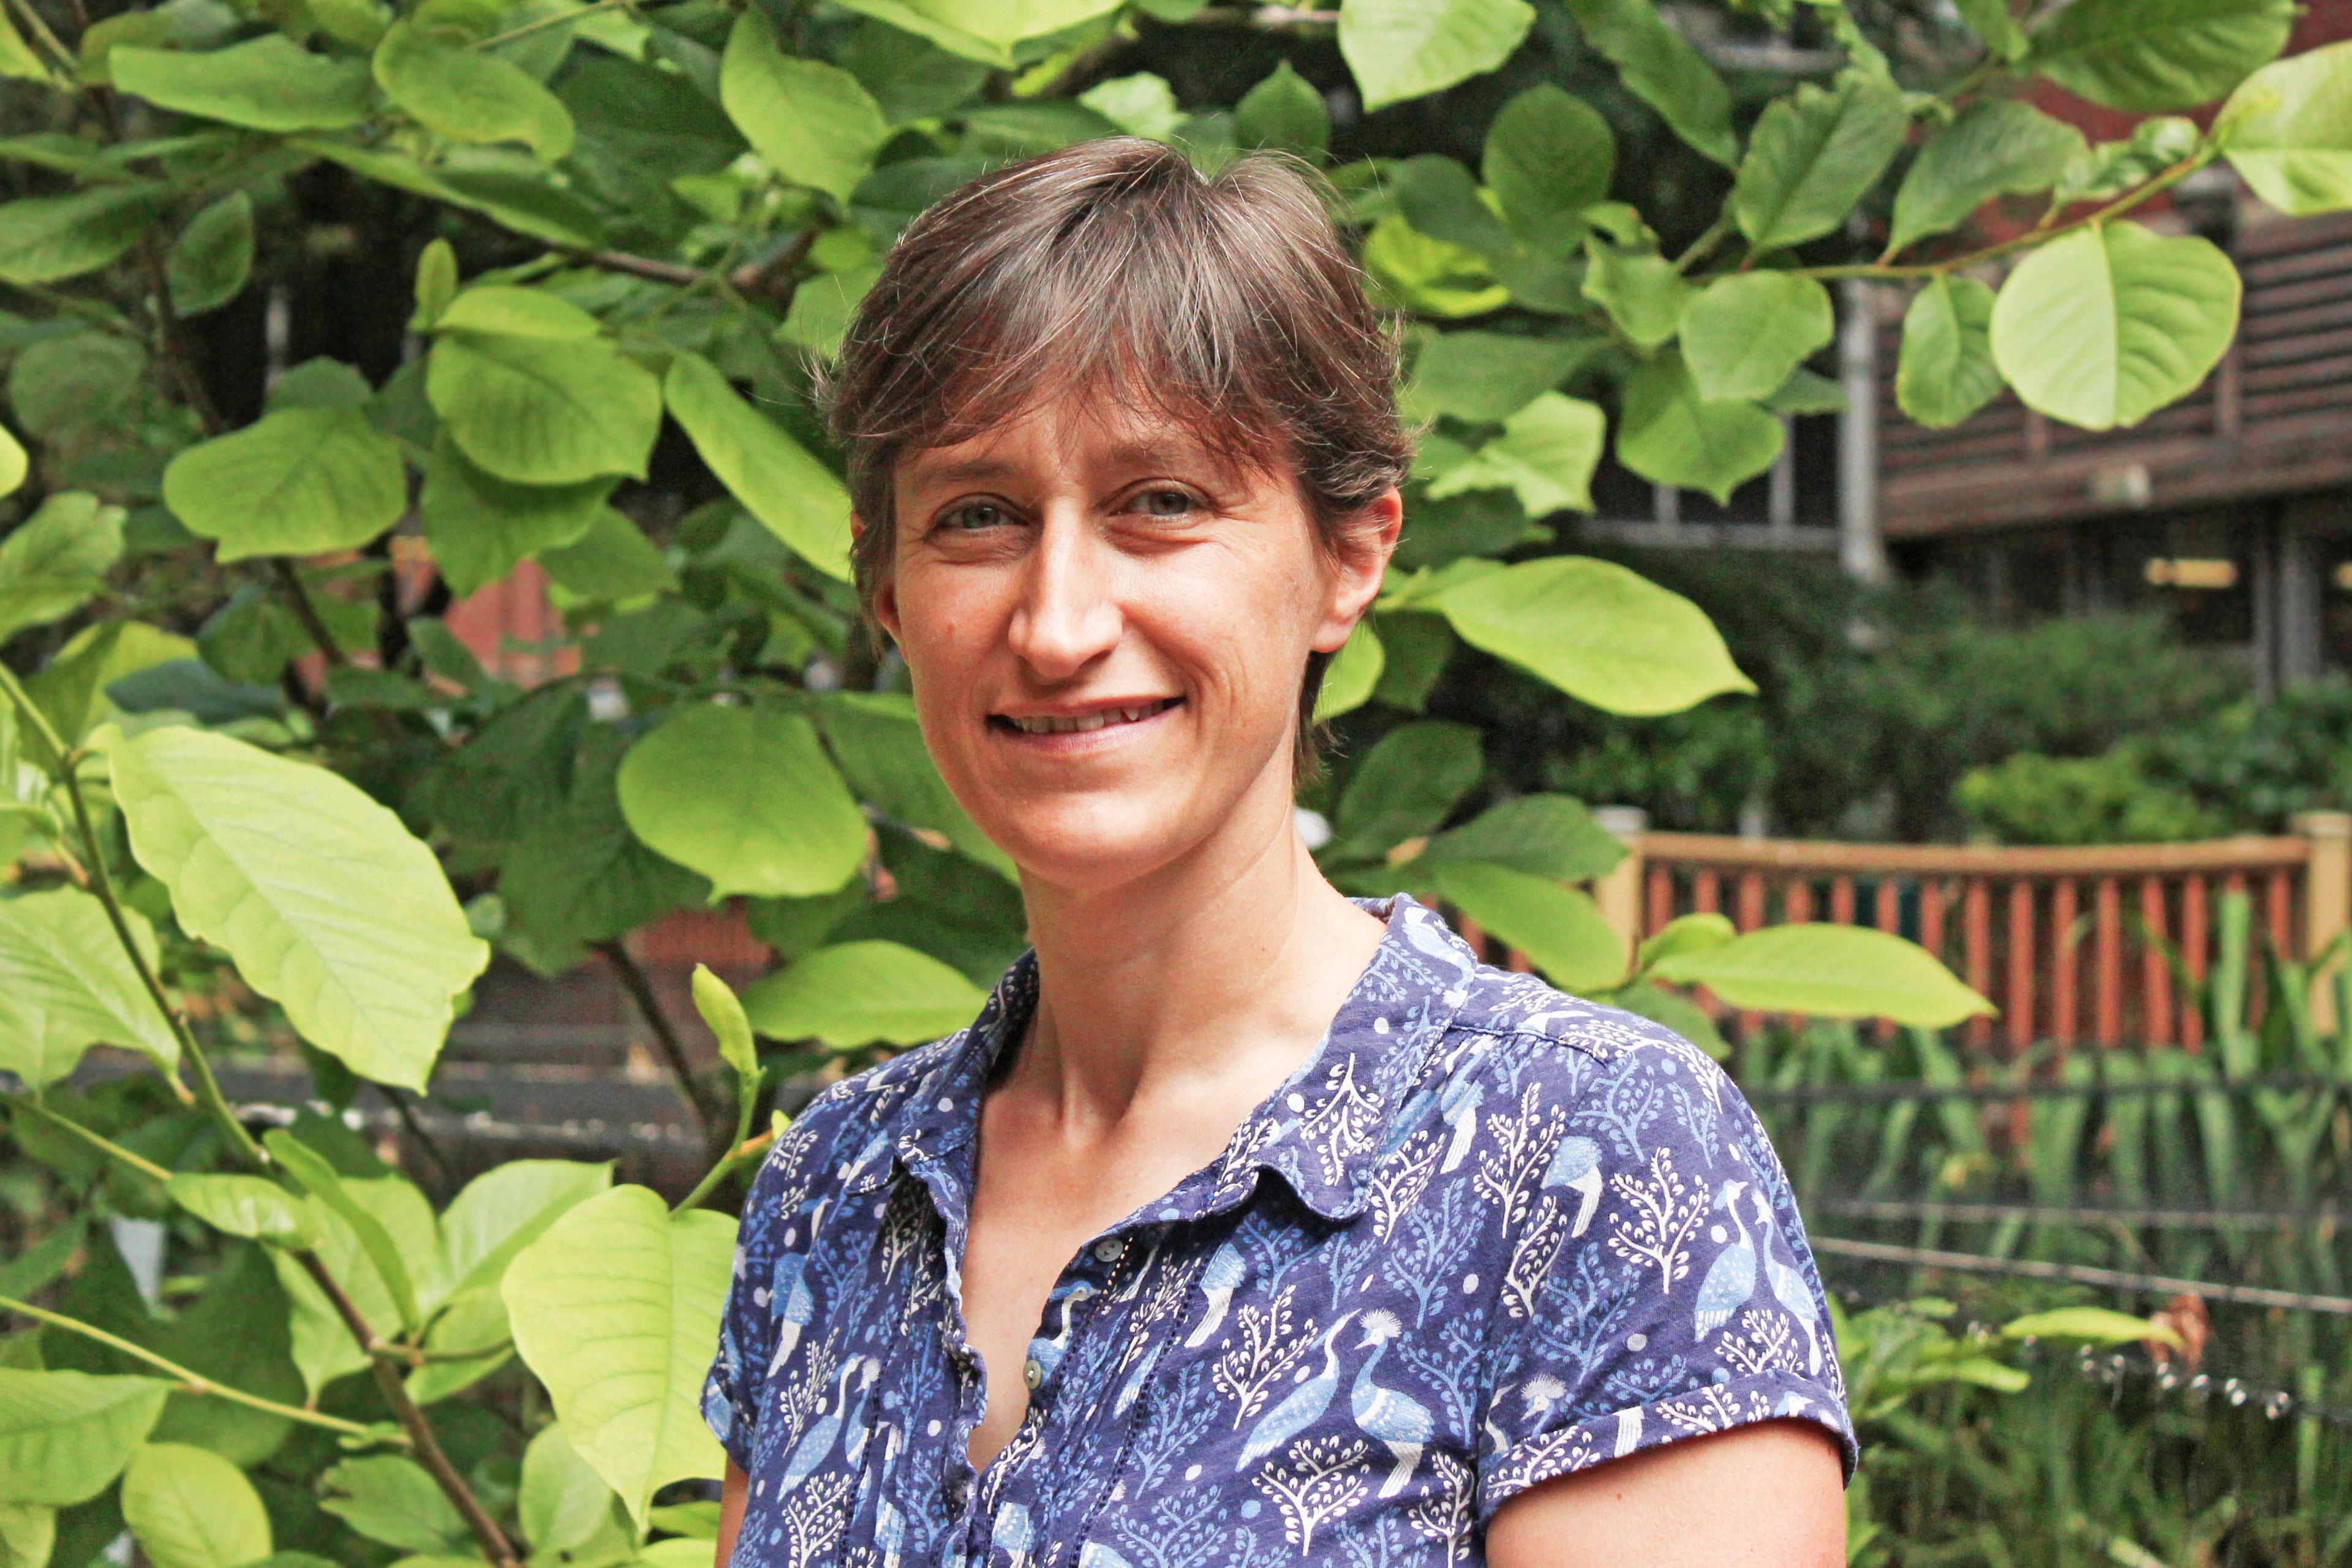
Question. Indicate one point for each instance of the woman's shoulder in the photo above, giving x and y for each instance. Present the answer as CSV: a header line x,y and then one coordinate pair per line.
x,y
1540,1019
844,1126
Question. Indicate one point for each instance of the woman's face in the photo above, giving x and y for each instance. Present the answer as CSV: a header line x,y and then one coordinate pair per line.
x,y
1105,628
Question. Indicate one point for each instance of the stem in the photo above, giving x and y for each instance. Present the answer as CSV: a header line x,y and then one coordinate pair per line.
x,y
298,599
641,991
644,267
193,1381
563,20
18,1104
41,30
30,712
173,343
723,1169
427,1448
1705,242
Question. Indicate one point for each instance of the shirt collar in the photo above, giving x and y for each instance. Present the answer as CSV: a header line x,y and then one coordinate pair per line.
x,y
1319,1129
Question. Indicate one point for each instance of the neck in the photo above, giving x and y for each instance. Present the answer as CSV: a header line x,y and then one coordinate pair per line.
x,y
1213,973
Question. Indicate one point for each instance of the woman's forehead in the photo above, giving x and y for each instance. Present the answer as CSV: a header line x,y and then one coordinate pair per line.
x,y
1075,433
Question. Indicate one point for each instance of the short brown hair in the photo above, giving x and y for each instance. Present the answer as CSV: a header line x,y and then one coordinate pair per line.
x,y
1225,301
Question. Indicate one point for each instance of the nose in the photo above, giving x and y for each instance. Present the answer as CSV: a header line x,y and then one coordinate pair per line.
x,y
1068,615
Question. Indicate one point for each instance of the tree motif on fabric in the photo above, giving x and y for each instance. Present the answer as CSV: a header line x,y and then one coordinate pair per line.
x,y
1766,1340
1264,1341
1399,1181
1446,1513
1345,1123
1661,1214
814,1516
1531,1259
1316,1481
1519,1145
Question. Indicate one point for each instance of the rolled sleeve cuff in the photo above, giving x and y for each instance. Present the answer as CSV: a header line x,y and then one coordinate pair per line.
x,y
734,1426
1547,1454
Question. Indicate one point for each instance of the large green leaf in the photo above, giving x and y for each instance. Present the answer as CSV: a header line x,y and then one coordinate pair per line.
x,y
1283,111
75,381
53,561
311,1172
1813,155
617,1308
469,95
15,463
543,411
479,527
1996,146
1405,786
2288,131
1558,928
813,122
2092,1325
505,1209
1599,632
747,798
327,904
986,32
250,1206
66,984
1945,372
45,239
498,309
880,745
1642,293
1742,335
301,482
28,1531
65,1435
1663,72
393,1498
1829,972
211,260
572,871
533,206
1548,157
322,1346
797,498
857,993
1407,48
1352,674
2109,324
1670,435
562,1502
189,1507
1489,376
2151,55
1545,456
266,83
1434,277
1548,835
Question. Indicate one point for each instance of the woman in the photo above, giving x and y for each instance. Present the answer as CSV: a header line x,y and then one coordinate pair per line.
x,y
1249,1223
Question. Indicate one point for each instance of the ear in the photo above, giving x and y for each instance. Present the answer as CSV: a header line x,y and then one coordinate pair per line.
x,y
885,593
1358,566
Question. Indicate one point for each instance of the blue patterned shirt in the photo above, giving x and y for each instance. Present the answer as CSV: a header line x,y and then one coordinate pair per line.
x,y
1486,1236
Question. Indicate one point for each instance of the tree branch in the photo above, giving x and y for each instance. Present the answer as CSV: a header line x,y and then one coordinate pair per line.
x,y
18,1105
641,991
298,599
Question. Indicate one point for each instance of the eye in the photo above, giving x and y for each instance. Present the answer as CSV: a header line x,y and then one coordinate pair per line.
x,y
972,516
1167,501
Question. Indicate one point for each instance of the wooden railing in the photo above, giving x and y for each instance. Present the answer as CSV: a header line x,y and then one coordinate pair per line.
x,y
2070,943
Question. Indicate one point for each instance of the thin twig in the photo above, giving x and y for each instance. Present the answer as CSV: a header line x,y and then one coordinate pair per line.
x,y
192,1381
561,19
641,991
298,599
173,340
17,1104
720,1172
40,29
415,1129
751,277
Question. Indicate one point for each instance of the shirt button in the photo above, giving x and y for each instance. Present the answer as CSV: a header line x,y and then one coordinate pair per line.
x,y
1106,1250
1033,1374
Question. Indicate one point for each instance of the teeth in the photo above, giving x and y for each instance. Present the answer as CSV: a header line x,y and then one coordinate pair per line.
x,y
1086,722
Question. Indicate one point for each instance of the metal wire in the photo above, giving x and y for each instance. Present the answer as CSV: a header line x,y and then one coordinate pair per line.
x,y
2082,1274
2325,1216
1913,1089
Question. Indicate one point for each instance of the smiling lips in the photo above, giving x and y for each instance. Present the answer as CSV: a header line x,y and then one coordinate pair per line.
x,y
1080,723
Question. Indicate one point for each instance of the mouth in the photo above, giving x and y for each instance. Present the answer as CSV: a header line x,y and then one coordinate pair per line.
x,y
1106,716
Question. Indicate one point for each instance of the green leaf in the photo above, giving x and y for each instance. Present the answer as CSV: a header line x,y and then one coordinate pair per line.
x,y
1947,372
1599,632
1744,335
470,1339
250,1206
1814,155
1996,146
722,1014
1685,933
1992,21
986,32
325,903
1283,111
1558,928
212,256
747,798
1140,105
437,284
1669,435
63,1436
1398,50
28,1531
19,63
45,239
467,95
534,205
795,496
395,1499
505,1209
320,1343
613,561
1641,291
616,1309
541,411
53,561
2109,324
320,384
1487,377
1405,786
1545,455
479,527
1354,670
814,122
1548,835
189,1507
574,872
2152,54
857,993
1663,72
1829,972
2092,1325
319,1178
269,83
75,381
301,482
2288,131
14,463
880,745
562,1502
1431,276
66,984
515,313
1548,156
1439,198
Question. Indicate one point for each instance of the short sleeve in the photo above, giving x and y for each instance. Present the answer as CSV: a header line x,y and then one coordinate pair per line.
x,y
1657,1283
